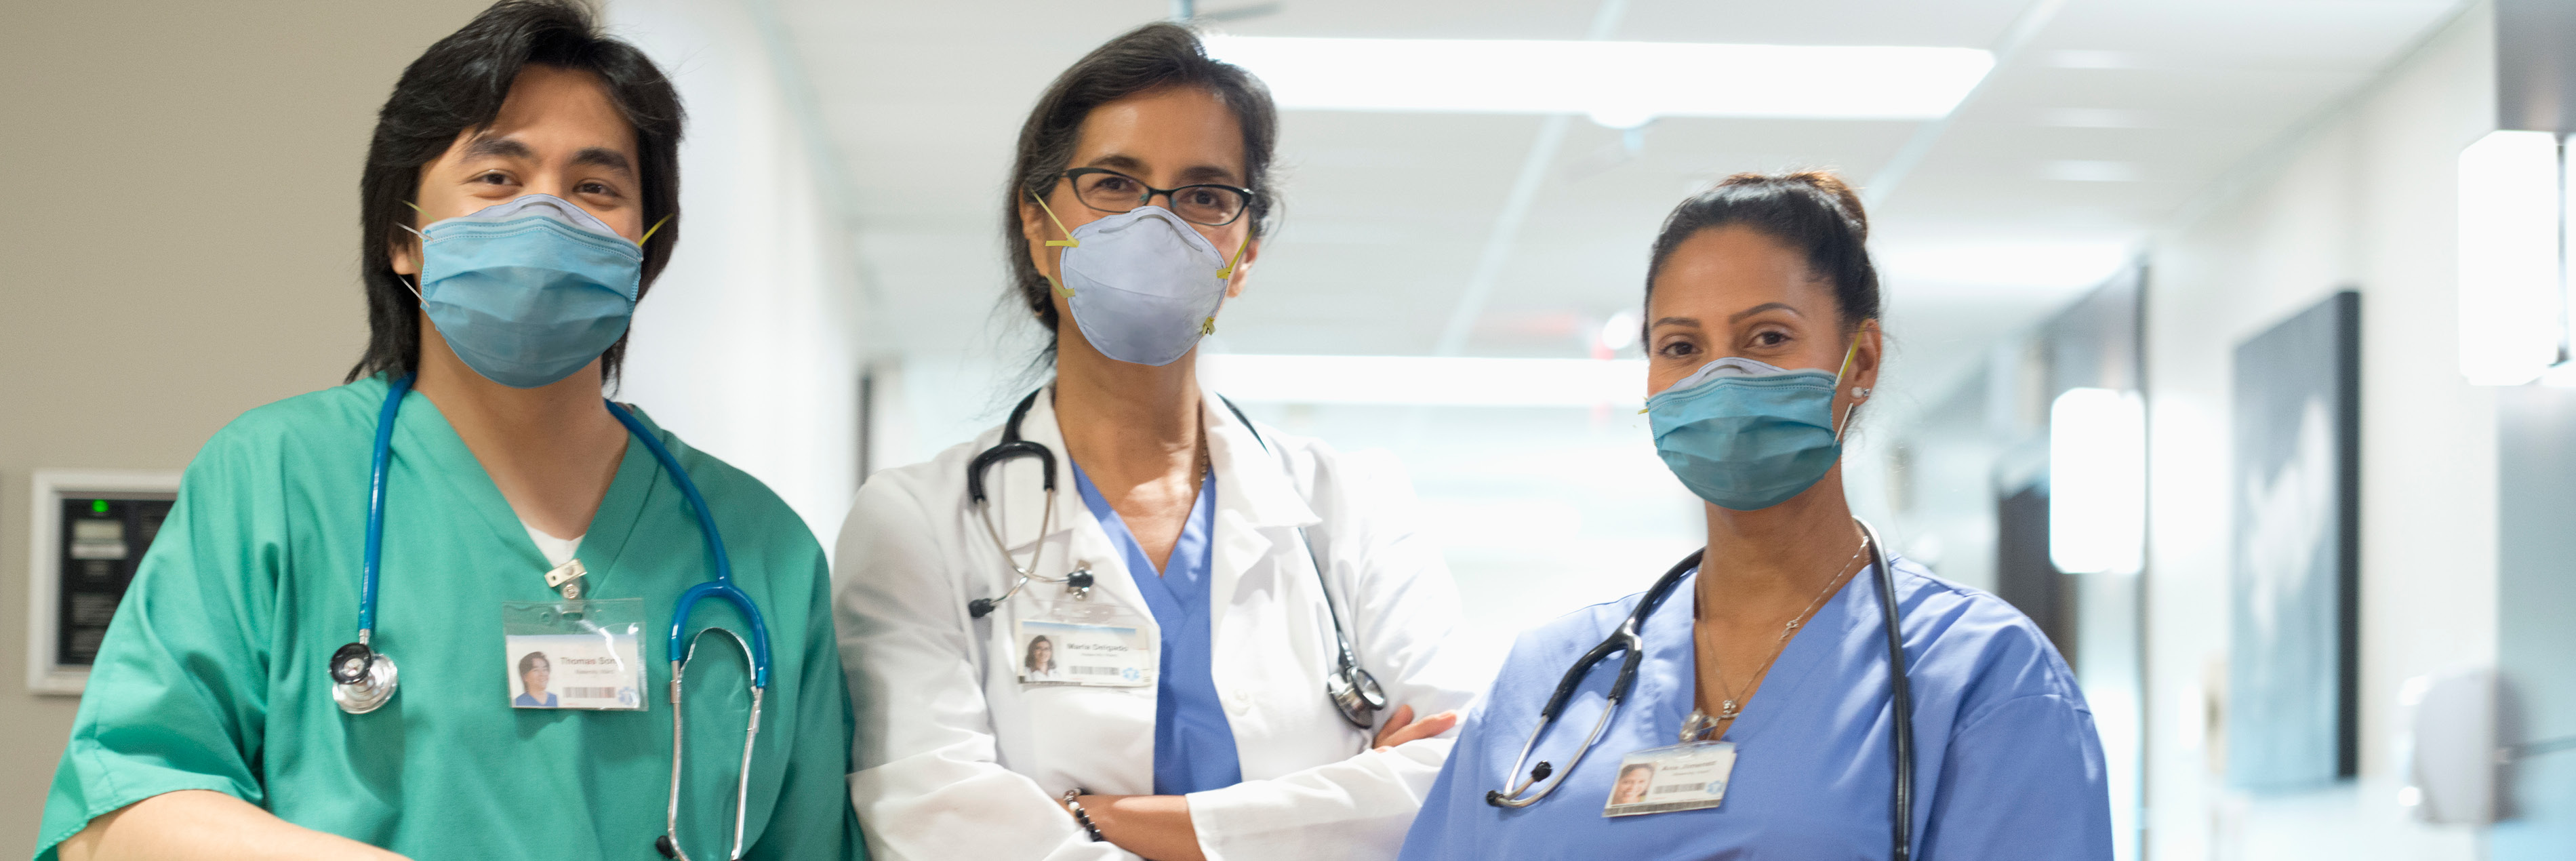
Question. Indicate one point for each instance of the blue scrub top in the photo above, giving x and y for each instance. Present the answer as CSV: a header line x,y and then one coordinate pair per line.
x,y
1193,743
2007,763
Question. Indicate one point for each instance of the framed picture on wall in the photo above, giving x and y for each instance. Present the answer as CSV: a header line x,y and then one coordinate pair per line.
x,y
2295,579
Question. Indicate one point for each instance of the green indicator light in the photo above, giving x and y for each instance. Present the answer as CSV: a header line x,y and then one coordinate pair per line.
x,y
98,506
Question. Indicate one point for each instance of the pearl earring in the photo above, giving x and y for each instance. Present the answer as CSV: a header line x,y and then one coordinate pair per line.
x,y
1860,392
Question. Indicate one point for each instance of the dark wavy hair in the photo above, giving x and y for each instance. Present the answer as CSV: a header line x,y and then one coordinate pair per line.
x,y
457,86
1812,211
1150,57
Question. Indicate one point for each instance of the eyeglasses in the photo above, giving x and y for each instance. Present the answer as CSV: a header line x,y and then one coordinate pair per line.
x,y
1113,192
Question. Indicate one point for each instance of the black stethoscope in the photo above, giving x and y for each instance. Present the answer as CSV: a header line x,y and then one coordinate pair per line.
x,y
363,679
1354,692
1625,639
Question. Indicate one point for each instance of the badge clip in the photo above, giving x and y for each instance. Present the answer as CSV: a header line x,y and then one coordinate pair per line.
x,y
566,578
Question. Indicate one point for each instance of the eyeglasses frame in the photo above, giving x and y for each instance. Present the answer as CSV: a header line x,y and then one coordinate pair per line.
x,y
1249,196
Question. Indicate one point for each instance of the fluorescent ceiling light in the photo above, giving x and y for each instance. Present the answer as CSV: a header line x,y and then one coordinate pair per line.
x,y
2097,482
1427,380
1619,84
2510,310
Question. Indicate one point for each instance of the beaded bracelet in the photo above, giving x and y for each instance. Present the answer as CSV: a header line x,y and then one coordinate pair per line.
x,y
1078,815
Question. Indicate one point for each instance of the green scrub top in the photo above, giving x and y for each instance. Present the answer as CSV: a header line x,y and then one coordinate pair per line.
x,y
212,674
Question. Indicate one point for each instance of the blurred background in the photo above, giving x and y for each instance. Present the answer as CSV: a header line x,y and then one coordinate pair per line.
x,y
2226,332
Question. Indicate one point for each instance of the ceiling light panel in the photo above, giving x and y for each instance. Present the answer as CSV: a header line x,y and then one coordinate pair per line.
x,y
1618,84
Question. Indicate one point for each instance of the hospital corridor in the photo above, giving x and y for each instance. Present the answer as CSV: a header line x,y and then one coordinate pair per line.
x,y
1111,430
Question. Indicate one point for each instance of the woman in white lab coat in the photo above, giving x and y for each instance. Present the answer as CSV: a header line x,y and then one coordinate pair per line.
x,y
1239,627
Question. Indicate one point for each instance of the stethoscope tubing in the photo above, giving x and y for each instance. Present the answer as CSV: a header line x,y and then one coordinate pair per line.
x,y
1354,692
382,457
1900,701
1626,638
721,586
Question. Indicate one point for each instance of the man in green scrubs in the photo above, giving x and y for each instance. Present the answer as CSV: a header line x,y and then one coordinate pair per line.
x,y
209,729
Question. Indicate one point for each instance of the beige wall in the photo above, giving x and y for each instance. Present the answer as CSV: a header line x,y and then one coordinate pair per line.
x,y
2369,202
178,245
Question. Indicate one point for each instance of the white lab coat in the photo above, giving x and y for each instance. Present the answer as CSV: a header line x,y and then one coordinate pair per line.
x,y
956,759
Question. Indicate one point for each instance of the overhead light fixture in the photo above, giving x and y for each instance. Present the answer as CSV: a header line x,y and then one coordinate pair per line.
x,y
2512,319
1426,380
2097,482
1617,84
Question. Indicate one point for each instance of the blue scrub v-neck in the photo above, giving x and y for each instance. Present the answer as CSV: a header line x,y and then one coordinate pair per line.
x,y
1193,742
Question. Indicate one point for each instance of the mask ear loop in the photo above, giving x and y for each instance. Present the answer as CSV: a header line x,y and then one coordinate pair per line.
x,y
1208,326
424,241
648,234
1067,242
1857,392
1227,273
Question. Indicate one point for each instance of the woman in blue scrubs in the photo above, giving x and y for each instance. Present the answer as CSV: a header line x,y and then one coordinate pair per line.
x,y
1762,697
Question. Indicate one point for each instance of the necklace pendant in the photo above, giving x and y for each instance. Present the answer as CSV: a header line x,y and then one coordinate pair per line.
x,y
1726,710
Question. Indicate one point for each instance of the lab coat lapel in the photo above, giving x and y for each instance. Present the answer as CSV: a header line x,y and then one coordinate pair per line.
x,y
1258,507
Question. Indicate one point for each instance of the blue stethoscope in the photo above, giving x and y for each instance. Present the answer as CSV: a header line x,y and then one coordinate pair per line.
x,y
363,679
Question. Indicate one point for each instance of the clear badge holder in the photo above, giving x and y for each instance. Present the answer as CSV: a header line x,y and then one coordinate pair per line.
x,y
575,654
1076,642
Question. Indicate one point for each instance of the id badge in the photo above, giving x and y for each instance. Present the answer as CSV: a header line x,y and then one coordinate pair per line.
x,y
1084,644
1664,779
574,654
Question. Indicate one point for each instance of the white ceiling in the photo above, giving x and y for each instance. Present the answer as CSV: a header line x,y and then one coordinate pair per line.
x,y
2112,116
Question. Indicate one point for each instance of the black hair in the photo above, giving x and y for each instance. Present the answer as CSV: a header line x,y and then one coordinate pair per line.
x,y
1150,57
457,86
1812,211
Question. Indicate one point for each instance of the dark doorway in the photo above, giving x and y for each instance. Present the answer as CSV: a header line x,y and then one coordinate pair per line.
x,y
2023,574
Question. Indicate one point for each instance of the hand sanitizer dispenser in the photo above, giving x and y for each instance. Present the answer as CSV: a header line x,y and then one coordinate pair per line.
x,y
2448,749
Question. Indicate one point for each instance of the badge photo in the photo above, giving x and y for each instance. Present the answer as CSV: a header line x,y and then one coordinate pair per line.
x,y
1664,779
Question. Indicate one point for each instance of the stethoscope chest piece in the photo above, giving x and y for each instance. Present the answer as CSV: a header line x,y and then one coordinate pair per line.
x,y
1356,695
362,679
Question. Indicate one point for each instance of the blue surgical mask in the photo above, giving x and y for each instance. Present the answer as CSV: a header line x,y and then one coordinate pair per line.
x,y
1144,285
1746,435
529,291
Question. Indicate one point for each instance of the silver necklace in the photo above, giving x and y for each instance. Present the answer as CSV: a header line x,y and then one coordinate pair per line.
x,y
1700,723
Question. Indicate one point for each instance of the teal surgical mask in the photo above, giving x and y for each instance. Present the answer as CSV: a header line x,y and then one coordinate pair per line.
x,y
1746,435
528,291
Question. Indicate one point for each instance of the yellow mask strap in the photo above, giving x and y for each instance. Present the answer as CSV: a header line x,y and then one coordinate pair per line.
x,y
657,226
1838,385
1847,358
1227,273
1068,241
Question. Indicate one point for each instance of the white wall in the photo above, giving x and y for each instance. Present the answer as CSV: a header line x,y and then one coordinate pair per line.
x,y
747,346
2367,202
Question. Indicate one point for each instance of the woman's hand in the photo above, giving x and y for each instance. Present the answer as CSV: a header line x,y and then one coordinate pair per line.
x,y
1401,727
1154,826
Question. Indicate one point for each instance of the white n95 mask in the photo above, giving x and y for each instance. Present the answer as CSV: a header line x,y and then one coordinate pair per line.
x,y
1144,285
